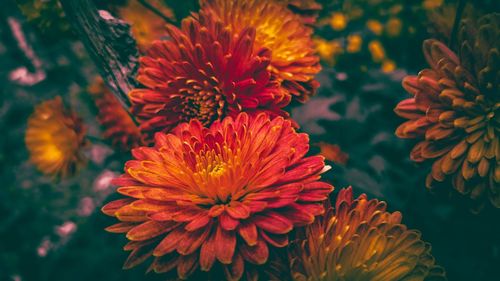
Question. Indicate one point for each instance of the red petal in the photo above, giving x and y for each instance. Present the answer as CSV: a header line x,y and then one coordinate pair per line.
x,y
120,227
273,222
198,222
225,244
187,265
248,231
192,241
277,240
149,229
207,253
236,269
315,191
165,263
138,256
227,222
113,206
298,215
127,213
237,210
170,242
257,254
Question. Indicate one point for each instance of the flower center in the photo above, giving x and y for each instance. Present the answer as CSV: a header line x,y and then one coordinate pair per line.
x,y
217,174
202,104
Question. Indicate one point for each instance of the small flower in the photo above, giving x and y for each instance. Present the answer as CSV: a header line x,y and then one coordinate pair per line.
x,y
338,21
227,194
294,62
207,72
54,138
455,112
360,240
119,126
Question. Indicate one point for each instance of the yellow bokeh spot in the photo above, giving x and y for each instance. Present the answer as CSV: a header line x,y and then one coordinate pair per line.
x,y
354,42
396,9
338,21
375,26
376,50
393,27
328,50
432,4
388,66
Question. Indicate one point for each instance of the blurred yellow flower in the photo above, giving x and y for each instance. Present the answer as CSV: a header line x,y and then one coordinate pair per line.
x,y
328,50
375,26
354,42
393,27
432,4
338,21
54,139
146,26
388,66
376,50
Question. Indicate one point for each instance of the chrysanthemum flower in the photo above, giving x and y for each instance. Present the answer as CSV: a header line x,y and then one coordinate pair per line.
x,y
455,112
294,62
205,72
54,138
119,126
146,26
359,240
228,193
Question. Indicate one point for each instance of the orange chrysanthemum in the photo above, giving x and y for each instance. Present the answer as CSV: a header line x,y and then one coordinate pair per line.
x,y
54,138
359,240
146,26
205,72
294,62
455,112
226,193
119,126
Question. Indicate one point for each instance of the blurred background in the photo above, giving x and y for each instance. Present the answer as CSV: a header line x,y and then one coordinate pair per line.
x,y
53,229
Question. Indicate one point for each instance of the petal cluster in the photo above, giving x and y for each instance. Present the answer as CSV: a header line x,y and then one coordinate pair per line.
x,y
206,72
227,194
293,62
118,125
454,112
54,138
360,240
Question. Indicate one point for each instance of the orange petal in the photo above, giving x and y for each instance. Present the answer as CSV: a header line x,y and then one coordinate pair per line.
x,y
149,229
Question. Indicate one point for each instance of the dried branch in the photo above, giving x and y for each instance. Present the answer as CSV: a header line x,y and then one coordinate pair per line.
x,y
109,43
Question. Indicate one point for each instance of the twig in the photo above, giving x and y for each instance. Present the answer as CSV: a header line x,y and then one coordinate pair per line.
x,y
456,23
109,43
156,11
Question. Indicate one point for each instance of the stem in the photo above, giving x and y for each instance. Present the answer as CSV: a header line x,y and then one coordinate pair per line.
x,y
109,44
456,23
156,11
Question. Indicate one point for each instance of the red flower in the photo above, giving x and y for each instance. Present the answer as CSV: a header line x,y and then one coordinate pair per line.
x,y
229,193
119,126
205,72
294,61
